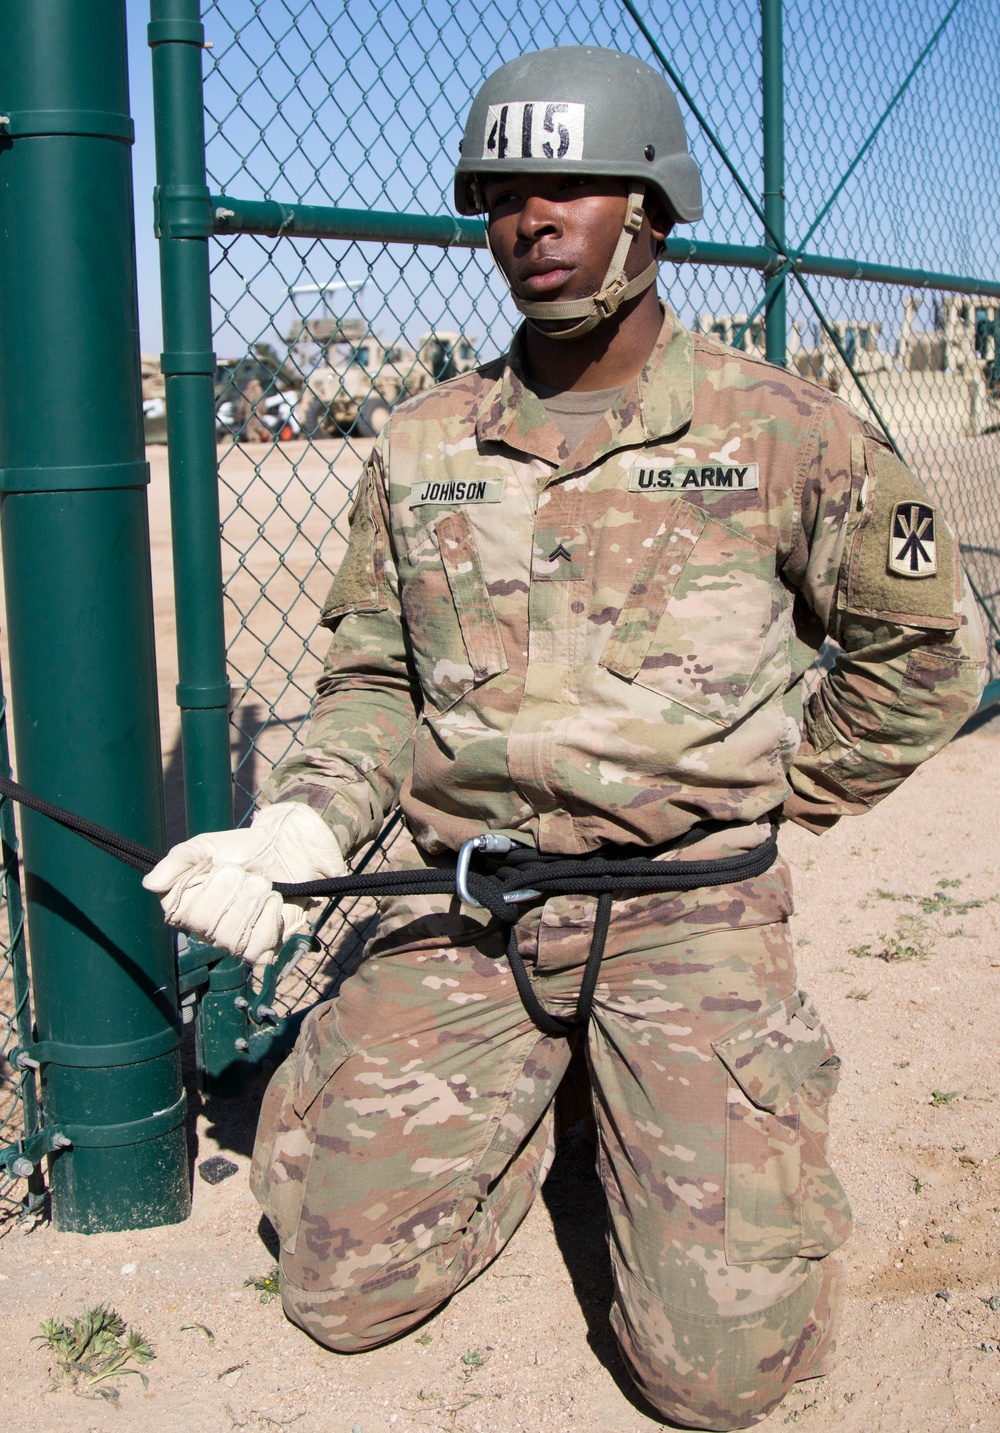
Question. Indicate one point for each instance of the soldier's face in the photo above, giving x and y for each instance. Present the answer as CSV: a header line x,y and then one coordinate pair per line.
x,y
554,237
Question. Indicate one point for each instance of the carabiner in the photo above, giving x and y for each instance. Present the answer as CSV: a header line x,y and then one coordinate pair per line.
x,y
489,842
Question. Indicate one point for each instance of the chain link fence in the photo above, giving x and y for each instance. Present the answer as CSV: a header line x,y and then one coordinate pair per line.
x,y
892,177
20,1193
361,107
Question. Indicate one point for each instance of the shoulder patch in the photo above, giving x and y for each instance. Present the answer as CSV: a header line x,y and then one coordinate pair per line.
x,y
902,560
359,585
913,540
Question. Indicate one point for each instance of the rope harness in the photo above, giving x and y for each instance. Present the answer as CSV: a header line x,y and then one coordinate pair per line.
x,y
517,875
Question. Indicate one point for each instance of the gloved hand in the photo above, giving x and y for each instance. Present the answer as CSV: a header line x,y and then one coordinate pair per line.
x,y
217,886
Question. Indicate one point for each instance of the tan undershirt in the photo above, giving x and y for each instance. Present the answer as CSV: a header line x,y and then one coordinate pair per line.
x,y
575,413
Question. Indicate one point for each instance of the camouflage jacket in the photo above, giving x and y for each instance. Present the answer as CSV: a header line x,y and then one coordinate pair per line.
x,y
608,645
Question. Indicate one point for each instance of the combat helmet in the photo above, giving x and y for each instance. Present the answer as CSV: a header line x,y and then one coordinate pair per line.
x,y
602,111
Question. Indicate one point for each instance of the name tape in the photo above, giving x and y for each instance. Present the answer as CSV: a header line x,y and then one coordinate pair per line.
x,y
727,478
534,129
482,490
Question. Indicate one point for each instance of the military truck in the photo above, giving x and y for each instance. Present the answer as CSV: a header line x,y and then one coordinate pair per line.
x,y
357,380
255,397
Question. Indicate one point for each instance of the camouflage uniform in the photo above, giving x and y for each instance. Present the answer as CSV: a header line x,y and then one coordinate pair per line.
x,y
575,649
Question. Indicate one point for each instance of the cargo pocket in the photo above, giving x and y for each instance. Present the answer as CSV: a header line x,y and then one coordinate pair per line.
x,y
286,1129
694,623
453,629
782,1198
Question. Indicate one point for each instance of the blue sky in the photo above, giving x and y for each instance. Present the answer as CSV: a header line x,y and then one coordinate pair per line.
x,y
361,104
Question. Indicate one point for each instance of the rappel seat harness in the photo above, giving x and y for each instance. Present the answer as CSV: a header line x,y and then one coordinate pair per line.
x,y
517,875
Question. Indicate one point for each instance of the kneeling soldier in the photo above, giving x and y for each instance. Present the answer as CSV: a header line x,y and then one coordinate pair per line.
x,y
583,585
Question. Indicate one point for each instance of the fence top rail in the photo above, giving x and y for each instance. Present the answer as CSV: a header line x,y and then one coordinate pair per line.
x,y
267,218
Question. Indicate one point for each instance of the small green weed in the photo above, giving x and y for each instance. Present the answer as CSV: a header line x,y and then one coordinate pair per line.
x,y
913,940
202,1328
917,934
94,1347
474,1358
938,904
942,1097
266,1285
918,1188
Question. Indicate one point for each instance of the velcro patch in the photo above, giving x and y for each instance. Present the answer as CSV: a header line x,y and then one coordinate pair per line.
x,y
708,479
454,491
912,541
899,536
534,129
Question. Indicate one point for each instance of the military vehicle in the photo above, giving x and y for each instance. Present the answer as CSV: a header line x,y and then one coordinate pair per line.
x,y
356,380
254,398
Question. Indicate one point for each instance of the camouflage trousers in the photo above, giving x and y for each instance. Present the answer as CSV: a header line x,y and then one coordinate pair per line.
x,y
404,1139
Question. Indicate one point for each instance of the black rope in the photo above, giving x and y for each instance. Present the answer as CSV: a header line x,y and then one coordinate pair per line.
x,y
610,870
139,857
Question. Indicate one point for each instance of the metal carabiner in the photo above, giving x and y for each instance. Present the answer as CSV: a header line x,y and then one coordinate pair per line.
x,y
493,845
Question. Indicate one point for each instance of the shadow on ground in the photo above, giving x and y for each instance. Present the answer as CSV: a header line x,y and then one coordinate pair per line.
x,y
574,1197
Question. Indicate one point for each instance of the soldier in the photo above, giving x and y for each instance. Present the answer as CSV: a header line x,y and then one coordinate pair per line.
x,y
582,588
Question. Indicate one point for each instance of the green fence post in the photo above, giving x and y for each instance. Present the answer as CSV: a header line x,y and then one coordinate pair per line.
x,y
79,605
773,113
184,222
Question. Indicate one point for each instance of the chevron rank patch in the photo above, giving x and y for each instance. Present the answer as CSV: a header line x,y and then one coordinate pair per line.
x,y
912,542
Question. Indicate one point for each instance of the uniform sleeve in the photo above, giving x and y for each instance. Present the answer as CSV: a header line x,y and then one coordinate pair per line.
x,y
357,747
878,570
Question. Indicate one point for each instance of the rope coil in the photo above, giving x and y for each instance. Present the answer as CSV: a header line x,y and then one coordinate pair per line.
x,y
601,874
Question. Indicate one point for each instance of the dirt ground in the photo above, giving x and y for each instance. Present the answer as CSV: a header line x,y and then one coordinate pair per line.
x,y
896,932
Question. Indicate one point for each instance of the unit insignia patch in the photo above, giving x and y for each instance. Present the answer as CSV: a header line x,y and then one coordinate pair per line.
x,y
912,544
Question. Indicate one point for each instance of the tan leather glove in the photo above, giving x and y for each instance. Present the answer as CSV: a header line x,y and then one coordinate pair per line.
x,y
217,886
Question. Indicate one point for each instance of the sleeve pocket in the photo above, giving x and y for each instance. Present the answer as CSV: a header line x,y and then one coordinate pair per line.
x,y
782,1198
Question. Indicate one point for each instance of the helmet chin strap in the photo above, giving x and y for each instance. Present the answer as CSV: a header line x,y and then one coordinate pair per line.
x,y
614,291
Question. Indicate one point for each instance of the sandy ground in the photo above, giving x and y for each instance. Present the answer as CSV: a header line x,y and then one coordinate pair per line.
x,y
896,934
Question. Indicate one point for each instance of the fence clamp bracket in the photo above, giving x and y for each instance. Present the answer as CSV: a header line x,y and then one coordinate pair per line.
x,y
182,211
20,1160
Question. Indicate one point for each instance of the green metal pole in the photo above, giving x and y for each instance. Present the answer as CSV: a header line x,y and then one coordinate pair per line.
x,y
79,606
184,223
773,78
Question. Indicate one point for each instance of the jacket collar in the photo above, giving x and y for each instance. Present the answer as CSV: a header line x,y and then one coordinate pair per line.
x,y
655,405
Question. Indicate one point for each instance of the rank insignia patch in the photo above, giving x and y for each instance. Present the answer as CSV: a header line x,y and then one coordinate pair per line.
x,y
912,545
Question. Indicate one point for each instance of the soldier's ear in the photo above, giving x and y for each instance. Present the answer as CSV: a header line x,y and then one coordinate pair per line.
x,y
659,218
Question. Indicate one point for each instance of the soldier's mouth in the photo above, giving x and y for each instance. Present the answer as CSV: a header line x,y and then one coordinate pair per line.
x,y
544,279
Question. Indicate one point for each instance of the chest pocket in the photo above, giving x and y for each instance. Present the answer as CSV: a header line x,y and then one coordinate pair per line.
x,y
694,622
453,629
